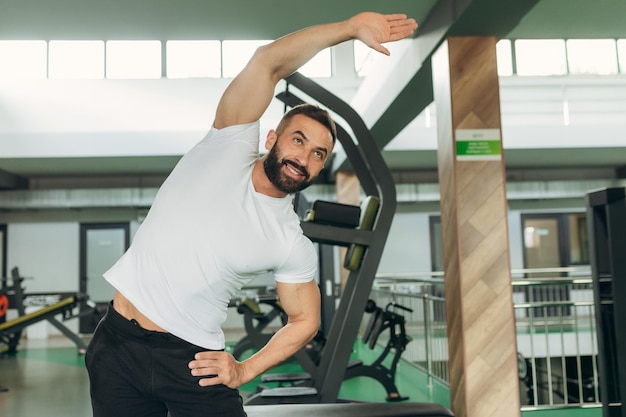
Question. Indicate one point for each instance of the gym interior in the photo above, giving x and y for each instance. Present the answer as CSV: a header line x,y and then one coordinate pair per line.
x,y
470,226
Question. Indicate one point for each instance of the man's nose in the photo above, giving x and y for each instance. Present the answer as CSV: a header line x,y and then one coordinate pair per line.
x,y
302,158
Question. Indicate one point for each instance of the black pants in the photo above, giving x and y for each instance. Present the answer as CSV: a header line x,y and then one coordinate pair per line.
x,y
139,373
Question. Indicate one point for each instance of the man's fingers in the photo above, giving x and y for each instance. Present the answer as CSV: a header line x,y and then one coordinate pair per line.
x,y
381,49
400,35
212,380
395,16
400,26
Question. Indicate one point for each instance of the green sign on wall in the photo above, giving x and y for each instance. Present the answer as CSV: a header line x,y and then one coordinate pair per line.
x,y
478,145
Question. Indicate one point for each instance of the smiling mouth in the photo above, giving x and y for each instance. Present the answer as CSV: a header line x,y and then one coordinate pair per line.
x,y
295,170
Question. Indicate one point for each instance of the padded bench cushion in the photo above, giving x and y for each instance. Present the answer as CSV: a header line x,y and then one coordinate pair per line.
x,y
369,209
350,410
37,315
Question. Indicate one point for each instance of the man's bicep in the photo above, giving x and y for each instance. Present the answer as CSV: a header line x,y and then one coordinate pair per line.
x,y
300,301
246,98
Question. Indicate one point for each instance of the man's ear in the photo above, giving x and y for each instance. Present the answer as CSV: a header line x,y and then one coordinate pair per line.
x,y
271,139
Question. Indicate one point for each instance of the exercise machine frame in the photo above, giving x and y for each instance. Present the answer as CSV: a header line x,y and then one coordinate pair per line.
x,y
375,180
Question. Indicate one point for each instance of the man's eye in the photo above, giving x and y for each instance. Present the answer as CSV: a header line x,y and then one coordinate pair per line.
x,y
297,140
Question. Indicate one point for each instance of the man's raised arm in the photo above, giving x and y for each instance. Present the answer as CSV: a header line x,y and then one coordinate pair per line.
x,y
249,94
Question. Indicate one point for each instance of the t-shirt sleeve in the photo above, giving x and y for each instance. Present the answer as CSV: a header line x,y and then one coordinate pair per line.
x,y
301,264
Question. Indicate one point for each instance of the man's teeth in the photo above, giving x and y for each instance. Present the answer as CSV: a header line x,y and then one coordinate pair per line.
x,y
293,170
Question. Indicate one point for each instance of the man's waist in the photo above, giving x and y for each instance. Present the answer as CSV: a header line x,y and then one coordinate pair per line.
x,y
128,310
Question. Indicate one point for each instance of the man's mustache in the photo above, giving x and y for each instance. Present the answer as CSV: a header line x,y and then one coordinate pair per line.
x,y
297,166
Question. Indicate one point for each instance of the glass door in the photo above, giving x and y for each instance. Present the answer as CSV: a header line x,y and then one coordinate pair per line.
x,y
101,245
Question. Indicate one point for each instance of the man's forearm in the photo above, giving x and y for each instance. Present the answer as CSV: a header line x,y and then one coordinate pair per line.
x,y
287,54
286,342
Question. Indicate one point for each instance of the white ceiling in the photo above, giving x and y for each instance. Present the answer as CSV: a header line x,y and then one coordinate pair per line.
x,y
388,111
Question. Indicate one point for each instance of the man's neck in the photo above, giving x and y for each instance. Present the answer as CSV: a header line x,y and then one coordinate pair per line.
x,y
262,184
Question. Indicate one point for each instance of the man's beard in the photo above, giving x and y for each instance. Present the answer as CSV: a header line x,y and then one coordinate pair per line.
x,y
273,170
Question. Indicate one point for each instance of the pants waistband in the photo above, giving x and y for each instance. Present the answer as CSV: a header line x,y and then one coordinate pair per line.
x,y
130,329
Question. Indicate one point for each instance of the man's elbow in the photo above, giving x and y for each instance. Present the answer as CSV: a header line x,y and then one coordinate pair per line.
x,y
313,329
308,328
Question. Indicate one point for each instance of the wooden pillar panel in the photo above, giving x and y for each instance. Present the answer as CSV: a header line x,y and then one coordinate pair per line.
x,y
481,325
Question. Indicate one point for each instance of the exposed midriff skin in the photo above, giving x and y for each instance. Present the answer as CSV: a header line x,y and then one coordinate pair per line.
x,y
129,311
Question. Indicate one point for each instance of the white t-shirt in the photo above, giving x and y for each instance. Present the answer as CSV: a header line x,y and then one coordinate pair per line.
x,y
207,234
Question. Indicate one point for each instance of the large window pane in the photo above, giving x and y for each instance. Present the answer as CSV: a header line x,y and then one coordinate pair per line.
x,y
236,54
23,59
540,57
76,59
193,59
504,57
133,59
592,56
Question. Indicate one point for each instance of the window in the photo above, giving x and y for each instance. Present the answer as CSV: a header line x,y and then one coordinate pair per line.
x,y
540,57
133,59
76,59
193,59
592,56
504,57
235,55
23,59
555,240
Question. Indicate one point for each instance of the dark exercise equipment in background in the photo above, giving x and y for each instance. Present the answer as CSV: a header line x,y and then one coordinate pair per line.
x,y
52,304
381,320
13,297
606,224
258,320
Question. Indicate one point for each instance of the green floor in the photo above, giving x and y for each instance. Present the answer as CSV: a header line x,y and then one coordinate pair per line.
x,y
409,382
52,382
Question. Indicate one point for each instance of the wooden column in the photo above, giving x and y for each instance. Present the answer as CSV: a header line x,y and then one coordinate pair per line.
x,y
481,326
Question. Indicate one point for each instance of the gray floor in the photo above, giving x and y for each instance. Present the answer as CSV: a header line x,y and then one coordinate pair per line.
x,y
46,378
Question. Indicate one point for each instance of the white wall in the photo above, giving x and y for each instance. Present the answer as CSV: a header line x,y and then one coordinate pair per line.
x,y
45,246
408,245
166,117
46,253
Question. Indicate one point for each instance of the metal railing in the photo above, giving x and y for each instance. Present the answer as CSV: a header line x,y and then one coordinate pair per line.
x,y
426,324
555,326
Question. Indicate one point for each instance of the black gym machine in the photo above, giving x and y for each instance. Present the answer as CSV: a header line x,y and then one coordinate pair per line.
x,y
13,296
263,313
365,244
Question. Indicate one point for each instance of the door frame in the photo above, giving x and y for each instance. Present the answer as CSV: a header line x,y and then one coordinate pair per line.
x,y
563,234
82,278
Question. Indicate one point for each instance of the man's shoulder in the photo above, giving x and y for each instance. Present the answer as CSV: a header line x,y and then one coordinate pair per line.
x,y
234,130
220,140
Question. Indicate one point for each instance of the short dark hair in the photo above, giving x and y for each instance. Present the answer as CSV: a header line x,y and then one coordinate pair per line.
x,y
314,112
